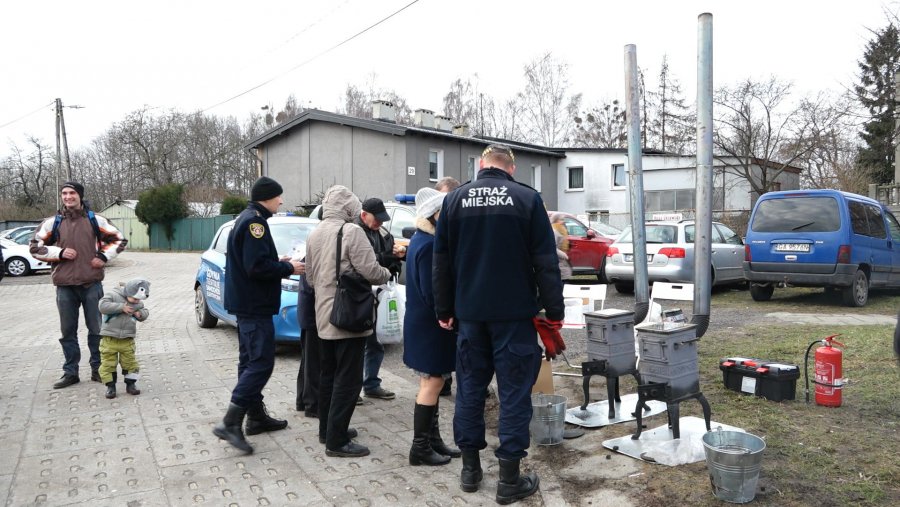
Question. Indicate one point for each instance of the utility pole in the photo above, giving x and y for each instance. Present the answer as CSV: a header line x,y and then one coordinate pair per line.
x,y
58,157
61,133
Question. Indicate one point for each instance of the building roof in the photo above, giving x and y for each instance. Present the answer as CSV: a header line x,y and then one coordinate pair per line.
x,y
387,128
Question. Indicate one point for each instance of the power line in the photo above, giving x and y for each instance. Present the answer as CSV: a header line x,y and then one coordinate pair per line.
x,y
27,115
301,64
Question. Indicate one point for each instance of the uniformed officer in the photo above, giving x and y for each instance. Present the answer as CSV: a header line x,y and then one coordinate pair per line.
x,y
253,293
495,267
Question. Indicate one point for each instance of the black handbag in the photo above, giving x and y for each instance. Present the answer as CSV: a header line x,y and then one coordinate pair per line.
x,y
354,302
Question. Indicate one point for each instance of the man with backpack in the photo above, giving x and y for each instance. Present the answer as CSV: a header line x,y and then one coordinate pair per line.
x,y
78,243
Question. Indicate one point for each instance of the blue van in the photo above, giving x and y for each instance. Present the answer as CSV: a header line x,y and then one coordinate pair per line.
x,y
821,238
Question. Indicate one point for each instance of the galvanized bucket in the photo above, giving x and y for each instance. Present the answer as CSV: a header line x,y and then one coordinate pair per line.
x,y
548,418
734,459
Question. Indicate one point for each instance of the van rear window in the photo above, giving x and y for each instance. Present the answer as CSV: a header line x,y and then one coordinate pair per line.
x,y
797,214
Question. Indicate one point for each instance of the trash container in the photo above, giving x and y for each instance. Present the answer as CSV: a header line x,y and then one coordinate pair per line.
x,y
548,418
733,459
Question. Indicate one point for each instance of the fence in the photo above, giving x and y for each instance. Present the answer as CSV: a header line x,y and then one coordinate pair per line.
x,y
189,233
888,194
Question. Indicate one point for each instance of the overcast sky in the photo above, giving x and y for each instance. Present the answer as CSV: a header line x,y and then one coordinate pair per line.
x,y
113,57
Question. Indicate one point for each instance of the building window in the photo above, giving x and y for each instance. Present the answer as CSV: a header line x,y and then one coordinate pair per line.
x,y
619,176
669,200
471,168
576,178
536,177
435,164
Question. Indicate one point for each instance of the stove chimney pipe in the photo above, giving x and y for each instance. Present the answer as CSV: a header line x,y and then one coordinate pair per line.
x,y
636,185
704,184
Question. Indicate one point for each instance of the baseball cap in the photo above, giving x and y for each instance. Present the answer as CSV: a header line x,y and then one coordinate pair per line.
x,y
375,206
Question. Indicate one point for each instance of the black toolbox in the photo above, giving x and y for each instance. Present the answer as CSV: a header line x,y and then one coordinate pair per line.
x,y
768,379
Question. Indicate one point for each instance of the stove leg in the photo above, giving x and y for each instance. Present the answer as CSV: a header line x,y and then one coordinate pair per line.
x,y
638,416
674,409
612,394
707,415
586,386
637,380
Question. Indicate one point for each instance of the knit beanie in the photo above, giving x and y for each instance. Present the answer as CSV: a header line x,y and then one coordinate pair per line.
x,y
428,202
264,189
74,185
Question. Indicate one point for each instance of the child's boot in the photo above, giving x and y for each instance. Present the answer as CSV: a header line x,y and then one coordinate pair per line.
x,y
130,384
111,388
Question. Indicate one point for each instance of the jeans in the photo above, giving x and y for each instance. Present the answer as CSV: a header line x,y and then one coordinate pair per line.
x,y
69,300
340,383
256,359
510,350
374,356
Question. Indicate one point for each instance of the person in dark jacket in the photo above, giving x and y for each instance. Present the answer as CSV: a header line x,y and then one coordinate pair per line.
x,y
309,371
428,349
495,267
253,295
371,218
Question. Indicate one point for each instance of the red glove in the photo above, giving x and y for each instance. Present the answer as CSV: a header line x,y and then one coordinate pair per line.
x,y
548,330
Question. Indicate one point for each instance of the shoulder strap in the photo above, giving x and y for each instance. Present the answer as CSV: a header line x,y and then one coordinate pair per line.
x,y
54,235
337,256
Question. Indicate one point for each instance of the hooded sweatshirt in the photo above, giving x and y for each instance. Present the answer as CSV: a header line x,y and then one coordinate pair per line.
x,y
117,323
339,207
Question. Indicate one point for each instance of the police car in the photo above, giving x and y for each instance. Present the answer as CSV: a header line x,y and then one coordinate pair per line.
x,y
289,234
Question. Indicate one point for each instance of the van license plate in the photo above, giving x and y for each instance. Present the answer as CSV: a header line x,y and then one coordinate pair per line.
x,y
792,247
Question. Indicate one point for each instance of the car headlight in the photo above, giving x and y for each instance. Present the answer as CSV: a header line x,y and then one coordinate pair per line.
x,y
290,285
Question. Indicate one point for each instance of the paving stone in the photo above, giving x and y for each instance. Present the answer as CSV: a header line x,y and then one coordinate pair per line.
x,y
11,446
162,346
262,478
167,373
430,486
15,410
84,475
73,432
20,355
83,397
5,486
194,442
152,498
200,404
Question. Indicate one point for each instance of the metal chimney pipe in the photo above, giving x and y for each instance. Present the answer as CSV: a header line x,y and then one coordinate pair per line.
x,y
703,221
636,185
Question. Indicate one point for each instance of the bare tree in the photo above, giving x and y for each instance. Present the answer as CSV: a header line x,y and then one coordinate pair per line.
x,y
601,127
358,101
758,133
461,103
29,176
548,106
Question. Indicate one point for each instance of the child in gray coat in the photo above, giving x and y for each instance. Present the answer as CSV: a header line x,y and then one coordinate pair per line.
x,y
122,307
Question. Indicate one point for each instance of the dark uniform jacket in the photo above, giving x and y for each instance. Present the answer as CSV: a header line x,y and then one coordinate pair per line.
x,y
383,243
495,254
253,272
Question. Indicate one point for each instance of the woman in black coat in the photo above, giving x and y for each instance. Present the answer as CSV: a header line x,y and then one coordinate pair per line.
x,y
427,348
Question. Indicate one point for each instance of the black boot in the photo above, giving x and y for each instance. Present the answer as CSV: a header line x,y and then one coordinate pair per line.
x,y
111,390
421,452
437,443
471,474
230,428
130,384
258,420
445,390
512,485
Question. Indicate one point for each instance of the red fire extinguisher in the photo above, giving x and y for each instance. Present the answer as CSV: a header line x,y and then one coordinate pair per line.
x,y
828,375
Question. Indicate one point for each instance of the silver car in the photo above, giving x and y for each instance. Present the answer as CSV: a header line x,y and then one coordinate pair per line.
x,y
670,255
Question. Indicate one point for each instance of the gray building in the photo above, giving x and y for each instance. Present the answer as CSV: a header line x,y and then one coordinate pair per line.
x,y
380,158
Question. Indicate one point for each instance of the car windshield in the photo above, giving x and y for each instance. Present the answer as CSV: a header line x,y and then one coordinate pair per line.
x,y
655,234
797,214
291,236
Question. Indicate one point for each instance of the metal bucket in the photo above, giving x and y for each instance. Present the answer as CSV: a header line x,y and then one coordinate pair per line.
x,y
548,418
734,460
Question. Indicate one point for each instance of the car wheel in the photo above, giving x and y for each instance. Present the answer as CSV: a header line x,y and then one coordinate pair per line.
x,y
205,319
17,266
761,292
857,294
601,275
624,288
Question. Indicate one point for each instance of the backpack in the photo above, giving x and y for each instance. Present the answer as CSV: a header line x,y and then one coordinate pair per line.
x,y
54,236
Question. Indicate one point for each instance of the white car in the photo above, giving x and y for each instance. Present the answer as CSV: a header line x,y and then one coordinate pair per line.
x,y
18,261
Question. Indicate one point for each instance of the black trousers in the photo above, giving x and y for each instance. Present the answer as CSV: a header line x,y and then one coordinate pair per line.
x,y
309,372
256,359
341,381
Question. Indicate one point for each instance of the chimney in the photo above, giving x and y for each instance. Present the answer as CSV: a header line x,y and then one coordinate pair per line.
x,y
461,130
423,118
443,123
383,110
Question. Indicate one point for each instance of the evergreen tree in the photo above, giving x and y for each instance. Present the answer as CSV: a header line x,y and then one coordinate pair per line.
x,y
875,92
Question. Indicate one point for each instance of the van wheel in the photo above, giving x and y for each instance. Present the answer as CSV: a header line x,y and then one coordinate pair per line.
x,y
857,294
761,292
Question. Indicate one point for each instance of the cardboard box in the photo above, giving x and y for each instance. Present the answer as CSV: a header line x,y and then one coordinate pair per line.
x,y
544,383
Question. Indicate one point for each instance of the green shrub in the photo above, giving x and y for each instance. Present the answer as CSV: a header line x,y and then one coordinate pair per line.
x,y
232,205
162,205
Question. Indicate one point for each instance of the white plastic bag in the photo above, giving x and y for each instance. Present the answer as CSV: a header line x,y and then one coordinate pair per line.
x,y
389,317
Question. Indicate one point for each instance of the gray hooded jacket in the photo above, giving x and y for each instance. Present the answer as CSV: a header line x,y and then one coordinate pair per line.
x,y
117,323
339,208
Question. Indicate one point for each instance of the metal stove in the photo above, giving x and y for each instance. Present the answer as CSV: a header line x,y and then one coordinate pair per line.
x,y
668,370
610,350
